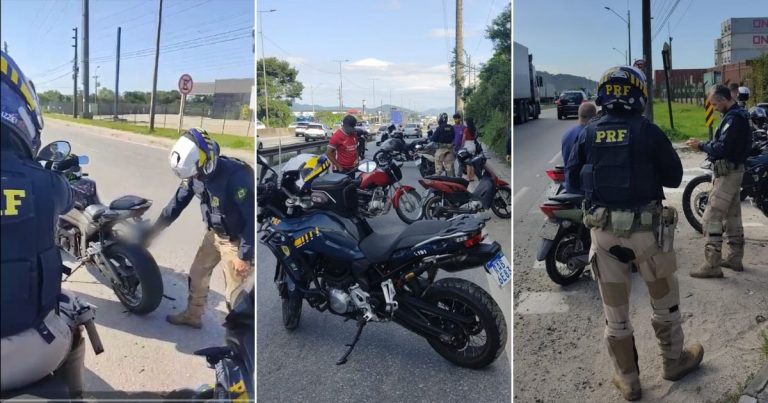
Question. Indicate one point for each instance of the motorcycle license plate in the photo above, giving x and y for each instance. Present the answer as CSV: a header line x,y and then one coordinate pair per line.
x,y
417,162
500,269
549,230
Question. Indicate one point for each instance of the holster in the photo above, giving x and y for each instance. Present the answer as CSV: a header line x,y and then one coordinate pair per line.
x,y
722,168
665,230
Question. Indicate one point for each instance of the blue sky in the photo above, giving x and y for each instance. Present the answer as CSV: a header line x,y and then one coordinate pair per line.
x,y
577,37
403,45
216,36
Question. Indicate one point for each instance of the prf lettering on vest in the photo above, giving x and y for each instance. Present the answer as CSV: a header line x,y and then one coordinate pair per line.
x,y
12,201
618,89
610,136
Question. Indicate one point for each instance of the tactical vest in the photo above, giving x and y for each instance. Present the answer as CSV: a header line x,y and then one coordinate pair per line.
x,y
30,264
619,170
444,134
736,113
217,206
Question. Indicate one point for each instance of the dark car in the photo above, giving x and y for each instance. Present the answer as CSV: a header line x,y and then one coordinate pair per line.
x,y
568,103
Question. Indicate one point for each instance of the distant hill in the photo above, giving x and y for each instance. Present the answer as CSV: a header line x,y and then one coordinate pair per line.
x,y
384,108
562,82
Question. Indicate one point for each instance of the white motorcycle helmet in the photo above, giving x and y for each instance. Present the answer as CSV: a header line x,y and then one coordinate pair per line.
x,y
195,153
743,94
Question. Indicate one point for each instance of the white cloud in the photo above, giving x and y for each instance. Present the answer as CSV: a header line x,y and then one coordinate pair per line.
x,y
369,64
442,33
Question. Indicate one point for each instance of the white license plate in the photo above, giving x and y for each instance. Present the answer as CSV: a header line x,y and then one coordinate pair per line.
x,y
500,269
417,162
549,230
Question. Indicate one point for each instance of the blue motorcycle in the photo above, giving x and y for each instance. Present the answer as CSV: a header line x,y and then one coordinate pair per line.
x,y
331,258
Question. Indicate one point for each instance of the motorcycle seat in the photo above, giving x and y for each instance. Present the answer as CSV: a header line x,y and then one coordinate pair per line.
x,y
378,247
49,388
460,181
127,202
95,211
574,198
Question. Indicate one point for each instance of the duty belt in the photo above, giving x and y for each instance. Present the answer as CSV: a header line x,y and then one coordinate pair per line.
x,y
445,145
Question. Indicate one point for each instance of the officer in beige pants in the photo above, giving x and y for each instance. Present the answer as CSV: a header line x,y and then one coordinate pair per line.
x,y
728,151
225,189
621,161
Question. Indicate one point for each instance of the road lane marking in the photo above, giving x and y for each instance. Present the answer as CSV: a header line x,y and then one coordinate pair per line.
x,y
542,303
520,193
556,157
753,224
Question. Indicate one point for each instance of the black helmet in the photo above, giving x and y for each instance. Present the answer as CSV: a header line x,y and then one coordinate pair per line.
x,y
463,155
758,116
442,119
622,88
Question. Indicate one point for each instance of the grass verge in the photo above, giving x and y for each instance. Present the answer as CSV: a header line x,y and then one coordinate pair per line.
x,y
688,120
733,397
224,140
764,335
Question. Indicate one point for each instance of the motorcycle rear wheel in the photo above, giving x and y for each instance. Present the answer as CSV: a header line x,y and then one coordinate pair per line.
x,y
430,208
141,293
565,243
694,204
490,327
502,202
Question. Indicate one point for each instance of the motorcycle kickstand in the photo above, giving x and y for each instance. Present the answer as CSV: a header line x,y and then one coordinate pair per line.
x,y
360,325
72,271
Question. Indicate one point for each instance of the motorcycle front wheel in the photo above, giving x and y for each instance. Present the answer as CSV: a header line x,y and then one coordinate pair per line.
x,y
291,303
695,199
141,288
502,202
475,345
409,206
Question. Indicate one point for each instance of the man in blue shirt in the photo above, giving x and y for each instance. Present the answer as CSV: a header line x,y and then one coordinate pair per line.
x,y
587,111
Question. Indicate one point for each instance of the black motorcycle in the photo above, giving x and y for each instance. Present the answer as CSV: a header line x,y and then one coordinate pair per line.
x,y
334,260
108,238
754,184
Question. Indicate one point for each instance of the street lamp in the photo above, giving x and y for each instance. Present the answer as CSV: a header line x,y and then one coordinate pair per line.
x,y
621,53
264,67
341,85
629,34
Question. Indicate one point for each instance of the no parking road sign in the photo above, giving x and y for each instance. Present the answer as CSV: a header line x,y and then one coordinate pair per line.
x,y
185,84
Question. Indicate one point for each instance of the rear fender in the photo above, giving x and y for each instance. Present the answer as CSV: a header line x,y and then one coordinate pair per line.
x,y
399,192
544,248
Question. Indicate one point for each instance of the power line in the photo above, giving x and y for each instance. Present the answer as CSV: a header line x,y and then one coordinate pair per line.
x,y
486,24
445,32
664,22
683,16
301,63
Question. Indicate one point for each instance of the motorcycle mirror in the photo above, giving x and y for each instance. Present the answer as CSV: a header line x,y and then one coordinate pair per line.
x,y
83,159
368,166
55,152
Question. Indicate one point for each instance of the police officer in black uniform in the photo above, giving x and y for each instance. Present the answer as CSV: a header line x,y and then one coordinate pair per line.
x,y
36,337
443,136
728,151
225,188
621,161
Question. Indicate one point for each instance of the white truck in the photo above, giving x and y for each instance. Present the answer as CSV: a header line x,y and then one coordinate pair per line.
x,y
526,102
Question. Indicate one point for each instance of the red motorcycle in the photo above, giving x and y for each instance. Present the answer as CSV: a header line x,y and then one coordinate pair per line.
x,y
451,196
379,189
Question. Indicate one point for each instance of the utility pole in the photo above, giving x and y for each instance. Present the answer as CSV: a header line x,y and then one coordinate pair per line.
x,y
153,100
5,47
264,70
341,85
459,85
86,56
373,101
312,98
647,56
74,77
117,75
629,39
96,90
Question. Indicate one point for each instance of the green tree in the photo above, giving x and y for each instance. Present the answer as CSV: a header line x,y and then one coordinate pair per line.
x,y
168,97
136,97
51,96
106,95
328,117
279,112
490,102
758,80
281,80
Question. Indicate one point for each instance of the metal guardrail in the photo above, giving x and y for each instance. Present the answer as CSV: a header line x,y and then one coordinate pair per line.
x,y
271,153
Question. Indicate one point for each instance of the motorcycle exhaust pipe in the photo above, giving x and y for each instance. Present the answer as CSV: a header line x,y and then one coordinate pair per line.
x,y
475,256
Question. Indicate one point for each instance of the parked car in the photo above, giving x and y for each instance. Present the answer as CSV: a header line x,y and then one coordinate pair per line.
x,y
568,103
337,125
412,130
260,125
317,131
300,128
293,125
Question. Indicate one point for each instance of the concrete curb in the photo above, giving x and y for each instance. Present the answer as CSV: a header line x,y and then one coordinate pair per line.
x,y
757,390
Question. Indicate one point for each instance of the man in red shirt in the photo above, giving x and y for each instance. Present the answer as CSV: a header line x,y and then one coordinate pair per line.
x,y
342,148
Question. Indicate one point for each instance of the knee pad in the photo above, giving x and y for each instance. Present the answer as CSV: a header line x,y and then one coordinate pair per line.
x,y
713,228
666,315
618,330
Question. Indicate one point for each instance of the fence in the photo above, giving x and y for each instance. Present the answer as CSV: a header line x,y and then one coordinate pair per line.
x,y
230,119
683,91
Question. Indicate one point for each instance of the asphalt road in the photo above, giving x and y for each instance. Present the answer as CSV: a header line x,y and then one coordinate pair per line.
x,y
143,353
388,361
558,331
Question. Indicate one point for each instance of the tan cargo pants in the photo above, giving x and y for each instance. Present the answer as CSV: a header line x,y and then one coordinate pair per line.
x,y
213,250
723,215
658,271
444,160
